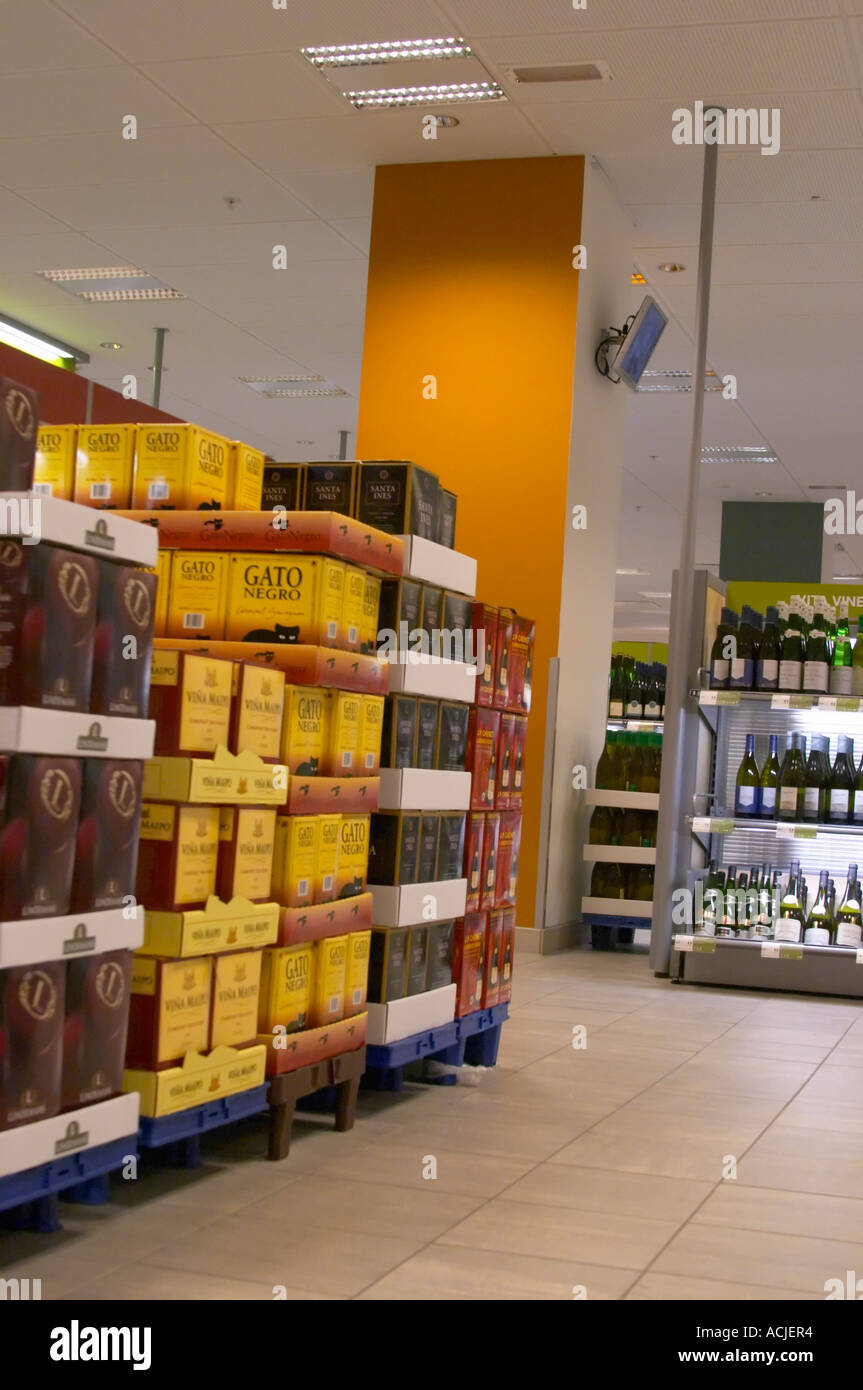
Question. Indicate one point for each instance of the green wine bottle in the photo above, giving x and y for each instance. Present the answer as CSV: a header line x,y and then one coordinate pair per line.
x,y
840,666
792,781
813,807
792,650
840,788
769,781
747,783
767,665
789,924
849,919
816,667
820,928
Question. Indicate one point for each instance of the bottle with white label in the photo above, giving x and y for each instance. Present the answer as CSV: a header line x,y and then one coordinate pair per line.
x,y
792,781
747,783
814,799
849,919
741,673
767,665
840,789
816,667
723,649
840,667
789,923
769,781
820,928
792,651
726,924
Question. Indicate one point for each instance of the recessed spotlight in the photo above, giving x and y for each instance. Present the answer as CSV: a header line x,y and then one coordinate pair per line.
x,y
357,55
307,442
764,494
446,122
111,347
385,98
654,593
671,267
638,279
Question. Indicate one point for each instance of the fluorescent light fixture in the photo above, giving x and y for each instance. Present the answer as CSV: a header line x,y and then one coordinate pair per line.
x,y
671,267
111,284
738,453
259,383
111,347
38,344
303,392
653,593
358,55
382,98
630,571
675,379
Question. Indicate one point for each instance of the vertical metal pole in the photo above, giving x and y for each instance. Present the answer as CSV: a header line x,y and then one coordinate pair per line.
x,y
679,674
343,444
157,366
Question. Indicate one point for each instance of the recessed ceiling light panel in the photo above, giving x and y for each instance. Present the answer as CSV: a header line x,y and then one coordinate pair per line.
x,y
359,55
384,98
99,285
737,453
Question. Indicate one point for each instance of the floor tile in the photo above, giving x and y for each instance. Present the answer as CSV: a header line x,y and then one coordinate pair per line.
x,y
448,1273
561,1233
759,1257
595,1189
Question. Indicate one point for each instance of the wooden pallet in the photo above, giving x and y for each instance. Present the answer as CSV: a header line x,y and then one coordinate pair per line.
x,y
342,1073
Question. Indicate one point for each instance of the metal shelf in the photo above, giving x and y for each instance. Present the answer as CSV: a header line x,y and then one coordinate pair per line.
x,y
783,830
781,700
620,854
634,725
615,907
636,801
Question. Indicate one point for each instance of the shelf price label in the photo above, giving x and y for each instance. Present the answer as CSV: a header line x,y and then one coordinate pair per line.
x,y
791,702
860,955
780,950
699,945
719,697
788,831
712,825
847,704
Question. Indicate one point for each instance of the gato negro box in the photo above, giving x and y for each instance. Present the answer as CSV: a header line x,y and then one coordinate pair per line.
x,y
244,867
388,965
353,612
484,620
398,497
123,642
177,856
357,972
306,729
48,604
450,855
394,847
245,478
190,700
330,487
257,711
327,863
371,609
198,598
508,852
469,939
104,461
440,947
481,760
106,855
170,1010
98,993
162,572
283,487
31,1027
278,598
399,737
371,731
236,999
54,473
353,860
286,988
473,847
19,424
295,860
329,972
41,798
343,743
180,467
488,864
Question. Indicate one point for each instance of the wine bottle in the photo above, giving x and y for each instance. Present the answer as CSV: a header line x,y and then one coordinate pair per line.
x,y
747,783
820,929
769,781
631,829
840,788
505,770
652,705
816,667
725,925
767,665
644,883
817,780
599,830
711,902
849,920
789,924
764,914
635,699
724,647
840,666
741,674
857,665
792,650
617,691
792,781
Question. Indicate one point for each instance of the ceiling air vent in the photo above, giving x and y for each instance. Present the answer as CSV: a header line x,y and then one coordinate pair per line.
x,y
565,72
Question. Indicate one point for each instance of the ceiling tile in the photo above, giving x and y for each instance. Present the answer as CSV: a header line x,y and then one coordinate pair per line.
x,y
85,99
558,17
740,224
247,293
198,246
334,192
357,230
56,161
181,202
249,87
38,37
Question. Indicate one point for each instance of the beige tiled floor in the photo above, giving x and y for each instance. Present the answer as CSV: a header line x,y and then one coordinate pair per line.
x,y
602,1169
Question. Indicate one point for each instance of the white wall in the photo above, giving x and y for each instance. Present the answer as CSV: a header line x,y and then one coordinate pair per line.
x,y
590,556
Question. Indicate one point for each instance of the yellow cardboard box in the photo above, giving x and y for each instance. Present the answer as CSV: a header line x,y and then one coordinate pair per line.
x,y
104,460
54,474
246,478
199,594
180,467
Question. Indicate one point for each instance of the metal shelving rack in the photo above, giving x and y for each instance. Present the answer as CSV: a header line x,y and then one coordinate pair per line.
x,y
696,826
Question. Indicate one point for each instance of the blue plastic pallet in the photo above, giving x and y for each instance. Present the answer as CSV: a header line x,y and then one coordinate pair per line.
x,y
186,1127
29,1199
473,1039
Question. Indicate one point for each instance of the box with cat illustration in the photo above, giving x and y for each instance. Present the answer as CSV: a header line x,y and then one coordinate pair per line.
x,y
295,860
370,735
177,855
180,467
327,862
244,867
245,478
306,729
353,611
198,595
190,700
353,859
371,608
357,972
286,988
280,598
342,753
329,971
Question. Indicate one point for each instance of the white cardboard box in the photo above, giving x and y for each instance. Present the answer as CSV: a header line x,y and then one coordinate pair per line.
x,y
28,1146
65,938
408,905
82,528
421,674
401,1018
437,564
25,729
423,789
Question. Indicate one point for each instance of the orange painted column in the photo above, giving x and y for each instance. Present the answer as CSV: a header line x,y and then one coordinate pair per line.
x,y
471,282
